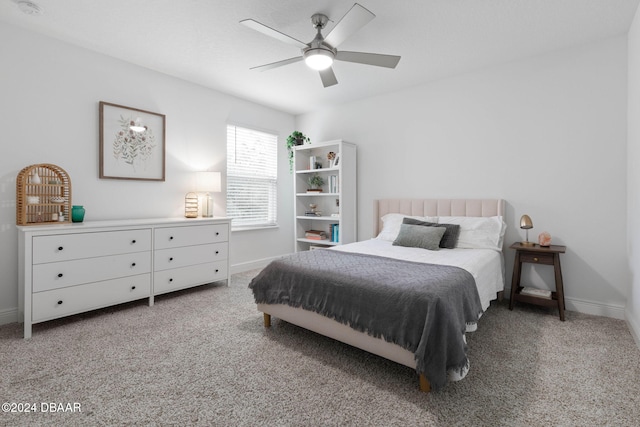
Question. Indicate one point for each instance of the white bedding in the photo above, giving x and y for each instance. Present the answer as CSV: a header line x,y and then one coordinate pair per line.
x,y
485,265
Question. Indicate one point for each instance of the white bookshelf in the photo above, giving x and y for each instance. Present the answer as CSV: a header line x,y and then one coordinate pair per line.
x,y
336,204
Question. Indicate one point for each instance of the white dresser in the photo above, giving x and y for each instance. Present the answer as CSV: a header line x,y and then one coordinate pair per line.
x,y
71,268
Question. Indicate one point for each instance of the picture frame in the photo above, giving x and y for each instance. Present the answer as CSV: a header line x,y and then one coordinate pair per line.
x,y
132,143
336,160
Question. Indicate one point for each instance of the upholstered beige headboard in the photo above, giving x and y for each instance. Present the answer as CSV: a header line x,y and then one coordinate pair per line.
x,y
435,207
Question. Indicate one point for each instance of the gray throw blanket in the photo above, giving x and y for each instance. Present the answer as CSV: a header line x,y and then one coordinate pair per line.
x,y
423,308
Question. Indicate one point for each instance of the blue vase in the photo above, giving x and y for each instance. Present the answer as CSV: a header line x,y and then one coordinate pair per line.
x,y
77,213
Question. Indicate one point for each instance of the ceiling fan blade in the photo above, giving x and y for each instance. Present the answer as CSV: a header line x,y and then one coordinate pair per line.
x,y
272,65
377,59
351,22
328,77
255,25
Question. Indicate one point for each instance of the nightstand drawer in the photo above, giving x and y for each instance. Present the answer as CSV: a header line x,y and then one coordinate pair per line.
x,y
535,258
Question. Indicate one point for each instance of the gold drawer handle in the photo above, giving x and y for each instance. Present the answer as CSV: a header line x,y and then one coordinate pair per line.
x,y
535,259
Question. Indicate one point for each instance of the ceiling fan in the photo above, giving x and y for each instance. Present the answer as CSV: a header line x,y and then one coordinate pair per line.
x,y
320,52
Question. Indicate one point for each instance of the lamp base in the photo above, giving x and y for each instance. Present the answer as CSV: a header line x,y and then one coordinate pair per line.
x,y
527,243
207,206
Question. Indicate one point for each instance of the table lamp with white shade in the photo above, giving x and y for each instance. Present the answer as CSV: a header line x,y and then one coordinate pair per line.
x,y
208,182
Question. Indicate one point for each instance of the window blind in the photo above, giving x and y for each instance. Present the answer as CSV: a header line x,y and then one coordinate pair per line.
x,y
251,177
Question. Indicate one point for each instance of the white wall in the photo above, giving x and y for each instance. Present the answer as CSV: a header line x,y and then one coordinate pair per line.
x,y
49,114
633,173
547,134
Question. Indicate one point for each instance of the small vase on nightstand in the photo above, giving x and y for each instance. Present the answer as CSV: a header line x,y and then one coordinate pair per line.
x,y
77,213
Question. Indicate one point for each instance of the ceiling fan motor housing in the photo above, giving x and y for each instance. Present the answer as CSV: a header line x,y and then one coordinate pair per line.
x,y
319,20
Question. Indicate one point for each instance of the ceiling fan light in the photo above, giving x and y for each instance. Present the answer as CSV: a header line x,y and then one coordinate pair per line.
x,y
318,59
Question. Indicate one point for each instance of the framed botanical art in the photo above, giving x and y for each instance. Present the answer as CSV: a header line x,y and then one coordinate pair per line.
x,y
132,143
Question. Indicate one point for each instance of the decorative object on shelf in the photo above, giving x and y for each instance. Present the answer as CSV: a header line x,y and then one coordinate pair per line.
x,y
336,160
296,138
313,210
526,224
191,205
315,162
544,239
208,182
315,182
132,143
37,199
77,213
35,178
331,157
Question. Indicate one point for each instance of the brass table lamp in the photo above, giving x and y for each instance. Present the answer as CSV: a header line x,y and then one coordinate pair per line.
x,y
526,224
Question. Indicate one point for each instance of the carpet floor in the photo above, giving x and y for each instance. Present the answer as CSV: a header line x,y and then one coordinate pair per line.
x,y
202,357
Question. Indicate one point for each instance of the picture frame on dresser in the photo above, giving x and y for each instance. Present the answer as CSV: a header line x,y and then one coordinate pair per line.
x,y
132,143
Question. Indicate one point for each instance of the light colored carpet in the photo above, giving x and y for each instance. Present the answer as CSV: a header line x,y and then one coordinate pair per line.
x,y
203,357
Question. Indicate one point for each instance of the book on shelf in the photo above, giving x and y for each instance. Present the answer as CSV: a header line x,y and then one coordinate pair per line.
x,y
535,292
315,238
315,235
335,232
333,183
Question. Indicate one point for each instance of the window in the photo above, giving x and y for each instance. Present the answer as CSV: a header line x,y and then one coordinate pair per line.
x,y
252,177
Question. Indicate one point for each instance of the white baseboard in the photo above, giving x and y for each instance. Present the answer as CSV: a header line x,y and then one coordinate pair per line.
x,y
9,315
634,327
252,265
595,308
589,307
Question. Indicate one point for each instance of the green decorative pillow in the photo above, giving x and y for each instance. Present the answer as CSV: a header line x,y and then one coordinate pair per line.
x,y
418,236
450,238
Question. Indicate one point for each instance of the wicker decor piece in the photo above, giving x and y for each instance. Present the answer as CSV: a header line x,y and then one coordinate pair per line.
x,y
191,205
43,191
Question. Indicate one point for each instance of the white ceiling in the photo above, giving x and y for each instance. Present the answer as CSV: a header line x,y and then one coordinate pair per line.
x,y
202,41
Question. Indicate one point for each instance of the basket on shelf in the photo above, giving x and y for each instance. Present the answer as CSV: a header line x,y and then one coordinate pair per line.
x,y
43,195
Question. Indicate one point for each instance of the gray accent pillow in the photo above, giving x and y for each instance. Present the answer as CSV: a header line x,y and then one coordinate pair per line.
x,y
450,238
418,236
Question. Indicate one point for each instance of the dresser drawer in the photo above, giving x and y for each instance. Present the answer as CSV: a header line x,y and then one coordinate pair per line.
x,y
534,258
68,273
165,259
173,237
65,247
76,299
184,277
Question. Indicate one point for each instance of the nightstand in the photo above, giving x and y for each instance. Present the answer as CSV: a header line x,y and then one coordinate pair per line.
x,y
536,254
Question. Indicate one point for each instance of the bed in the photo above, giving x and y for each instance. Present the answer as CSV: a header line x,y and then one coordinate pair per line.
x,y
466,276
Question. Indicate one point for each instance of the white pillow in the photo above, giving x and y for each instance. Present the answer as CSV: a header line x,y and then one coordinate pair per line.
x,y
391,224
478,232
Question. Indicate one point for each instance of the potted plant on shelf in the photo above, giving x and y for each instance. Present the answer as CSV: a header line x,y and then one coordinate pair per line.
x,y
296,138
315,182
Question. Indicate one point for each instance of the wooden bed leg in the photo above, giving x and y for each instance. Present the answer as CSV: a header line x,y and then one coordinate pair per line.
x,y
267,320
500,296
424,384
